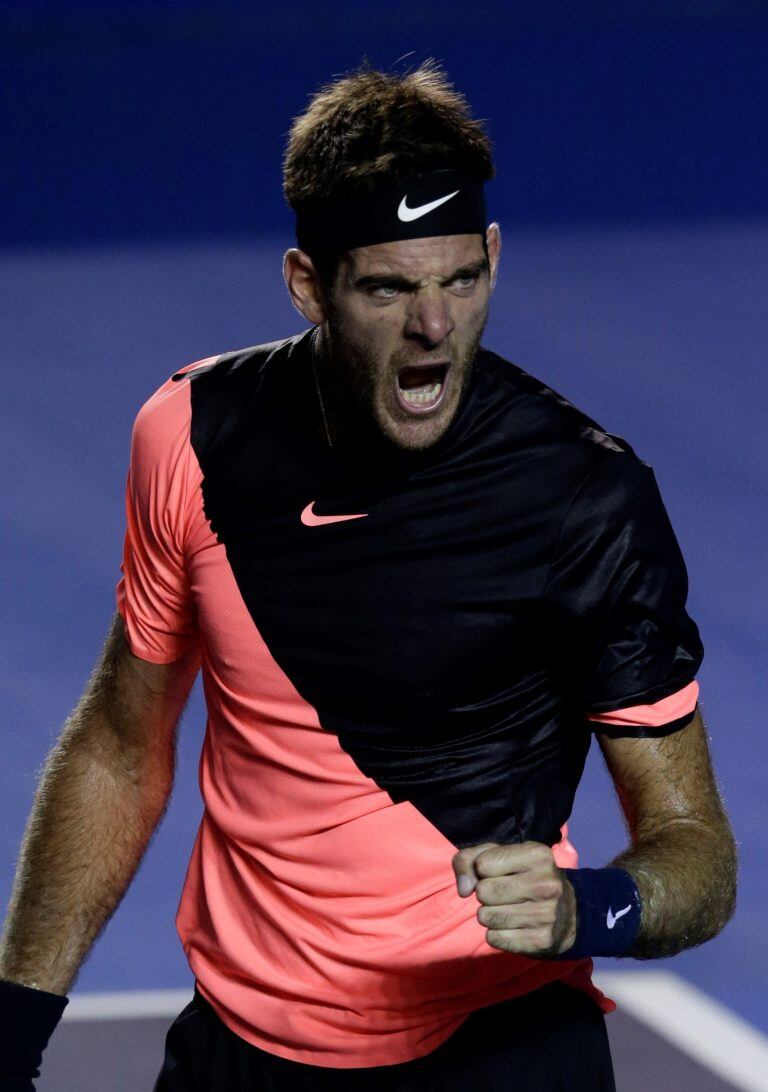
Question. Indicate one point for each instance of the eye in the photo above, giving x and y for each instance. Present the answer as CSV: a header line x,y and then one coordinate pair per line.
x,y
384,291
465,282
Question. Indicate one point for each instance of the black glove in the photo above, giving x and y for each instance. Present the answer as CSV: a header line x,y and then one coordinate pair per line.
x,y
27,1019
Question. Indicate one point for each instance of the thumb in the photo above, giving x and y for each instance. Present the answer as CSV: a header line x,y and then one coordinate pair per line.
x,y
464,867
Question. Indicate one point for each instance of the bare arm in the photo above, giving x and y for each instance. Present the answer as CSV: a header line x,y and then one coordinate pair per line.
x,y
103,790
683,855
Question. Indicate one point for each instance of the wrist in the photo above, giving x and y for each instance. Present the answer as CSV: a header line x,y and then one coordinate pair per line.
x,y
608,911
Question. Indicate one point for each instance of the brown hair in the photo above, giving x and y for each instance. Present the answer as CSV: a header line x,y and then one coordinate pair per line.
x,y
369,123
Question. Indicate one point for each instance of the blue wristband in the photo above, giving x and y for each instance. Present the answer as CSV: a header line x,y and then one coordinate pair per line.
x,y
607,912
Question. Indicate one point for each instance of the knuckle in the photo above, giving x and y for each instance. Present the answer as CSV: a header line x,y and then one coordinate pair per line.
x,y
543,939
487,862
485,890
544,915
549,889
483,858
542,854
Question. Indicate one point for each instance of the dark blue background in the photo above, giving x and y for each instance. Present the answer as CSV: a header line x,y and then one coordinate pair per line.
x,y
165,120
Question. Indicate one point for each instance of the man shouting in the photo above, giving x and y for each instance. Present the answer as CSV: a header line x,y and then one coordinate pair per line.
x,y
416,580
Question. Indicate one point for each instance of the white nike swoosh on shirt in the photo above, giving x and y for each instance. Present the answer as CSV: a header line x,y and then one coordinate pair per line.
x,y
406,214
611,918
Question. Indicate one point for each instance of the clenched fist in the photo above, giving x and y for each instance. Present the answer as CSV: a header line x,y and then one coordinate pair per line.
x,y
526,902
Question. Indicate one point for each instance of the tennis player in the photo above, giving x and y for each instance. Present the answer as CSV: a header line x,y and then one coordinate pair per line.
x,y
416,581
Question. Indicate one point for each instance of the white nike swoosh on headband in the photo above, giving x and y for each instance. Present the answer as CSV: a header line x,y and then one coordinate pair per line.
x,y
406,214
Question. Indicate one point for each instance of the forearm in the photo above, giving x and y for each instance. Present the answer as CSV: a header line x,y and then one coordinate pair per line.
x,y
682,856
686,877
96,806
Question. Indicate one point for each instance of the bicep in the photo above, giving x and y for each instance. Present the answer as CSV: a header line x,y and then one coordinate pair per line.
x,y
664,779
138,701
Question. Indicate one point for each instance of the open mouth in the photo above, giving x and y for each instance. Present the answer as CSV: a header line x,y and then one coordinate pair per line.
x,y
420,388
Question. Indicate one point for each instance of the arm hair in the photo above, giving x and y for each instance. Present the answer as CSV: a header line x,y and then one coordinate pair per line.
x,y
103,790
683,855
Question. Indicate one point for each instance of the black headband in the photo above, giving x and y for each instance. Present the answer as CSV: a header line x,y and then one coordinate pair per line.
x,y
442,202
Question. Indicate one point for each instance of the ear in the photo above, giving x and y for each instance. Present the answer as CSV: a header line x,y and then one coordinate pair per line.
x,y
493,241
303,285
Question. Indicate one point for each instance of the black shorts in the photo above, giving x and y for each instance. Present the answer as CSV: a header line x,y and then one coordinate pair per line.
x,y
551,1040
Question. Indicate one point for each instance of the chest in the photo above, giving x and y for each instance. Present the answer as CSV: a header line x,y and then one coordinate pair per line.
x,y
389,595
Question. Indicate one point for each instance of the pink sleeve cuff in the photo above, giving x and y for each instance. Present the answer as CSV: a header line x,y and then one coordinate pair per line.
x,y
656,715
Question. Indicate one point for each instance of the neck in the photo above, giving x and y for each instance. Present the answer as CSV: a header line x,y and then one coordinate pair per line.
x,y
338,420
317,351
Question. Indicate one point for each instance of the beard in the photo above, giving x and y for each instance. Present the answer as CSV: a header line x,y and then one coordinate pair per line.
x,y
359,386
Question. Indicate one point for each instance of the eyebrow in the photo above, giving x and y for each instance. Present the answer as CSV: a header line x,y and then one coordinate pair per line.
x,y
395,280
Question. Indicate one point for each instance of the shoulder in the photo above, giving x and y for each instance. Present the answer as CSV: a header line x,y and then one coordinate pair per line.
x,y
616,508
168,406
545,415
222,392
617,490
164,421
580,452
162,425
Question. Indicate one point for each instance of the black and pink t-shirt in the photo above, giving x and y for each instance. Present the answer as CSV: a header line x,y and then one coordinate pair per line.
x,y
401,656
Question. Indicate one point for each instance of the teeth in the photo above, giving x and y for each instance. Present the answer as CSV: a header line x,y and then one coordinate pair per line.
x,y
424,396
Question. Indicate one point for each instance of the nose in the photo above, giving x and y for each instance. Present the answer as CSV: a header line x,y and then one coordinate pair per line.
x,y
428,319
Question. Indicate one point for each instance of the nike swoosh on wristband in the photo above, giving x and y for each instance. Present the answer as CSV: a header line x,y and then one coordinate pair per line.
x,y
310,518
406,214
611,918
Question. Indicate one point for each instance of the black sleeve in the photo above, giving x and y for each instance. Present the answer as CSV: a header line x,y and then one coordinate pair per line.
x,y
618,587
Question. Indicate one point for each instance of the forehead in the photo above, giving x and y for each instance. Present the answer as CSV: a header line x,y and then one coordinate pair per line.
x,y
439,254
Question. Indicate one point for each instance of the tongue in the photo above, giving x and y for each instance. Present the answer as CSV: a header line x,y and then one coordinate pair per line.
x,y
415,378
